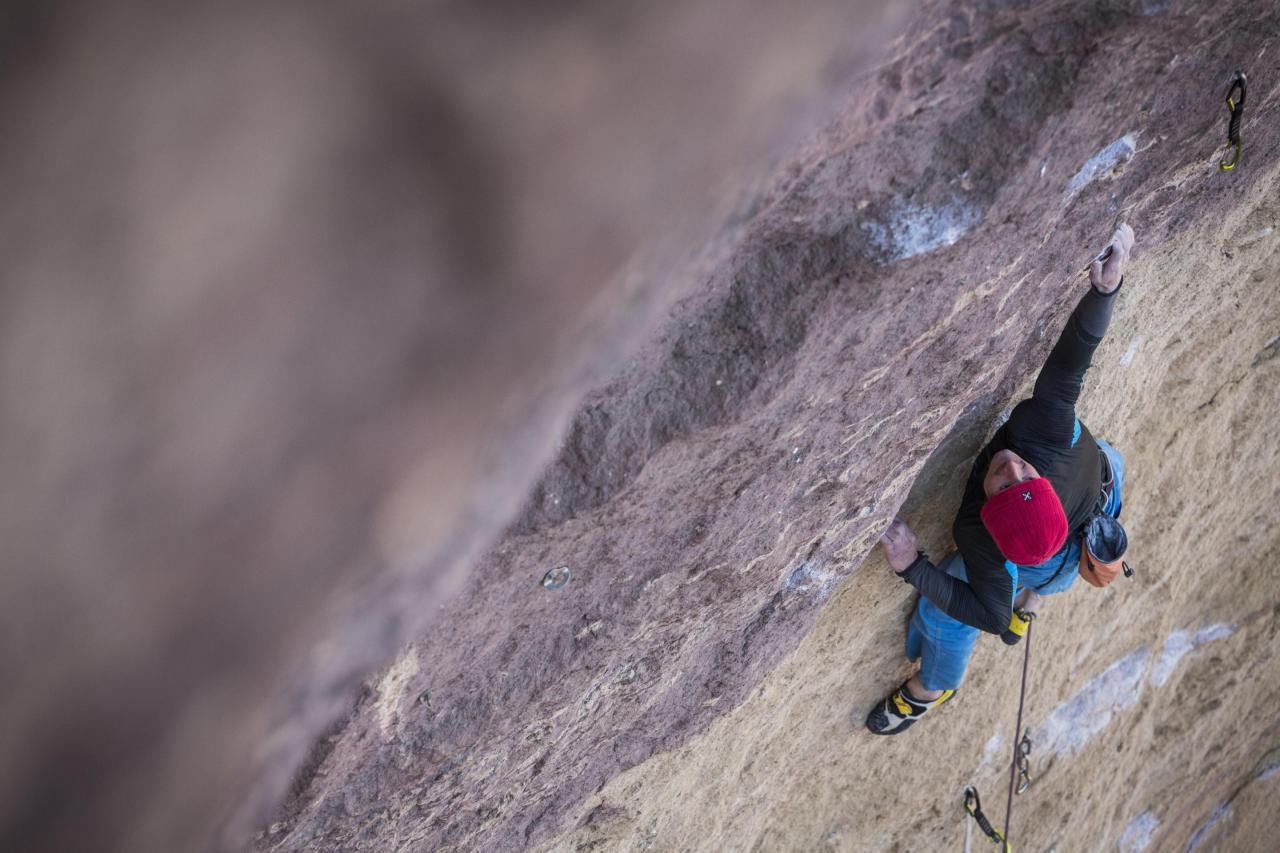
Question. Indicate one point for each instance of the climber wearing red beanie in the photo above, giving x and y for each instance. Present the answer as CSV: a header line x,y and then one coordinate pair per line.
x,y
1031,492
1027,523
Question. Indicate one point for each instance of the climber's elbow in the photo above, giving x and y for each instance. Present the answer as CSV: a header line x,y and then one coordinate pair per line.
x,y
997,620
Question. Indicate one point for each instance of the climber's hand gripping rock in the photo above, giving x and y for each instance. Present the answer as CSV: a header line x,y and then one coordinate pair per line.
x,y
900,545
1108,268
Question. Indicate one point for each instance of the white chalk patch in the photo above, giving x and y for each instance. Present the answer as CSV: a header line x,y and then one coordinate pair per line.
x,y
1002,419
809,577
1120,151
1179,643
1137,835
1260,234
1221,813
1155,7
914,229
391,689
1270,772
1088,712
1127,358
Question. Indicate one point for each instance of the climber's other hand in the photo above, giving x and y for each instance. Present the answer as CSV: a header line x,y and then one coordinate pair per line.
x,y
900,545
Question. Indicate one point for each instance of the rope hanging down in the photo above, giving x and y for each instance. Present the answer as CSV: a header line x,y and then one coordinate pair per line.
x,y
1019,768
1018,750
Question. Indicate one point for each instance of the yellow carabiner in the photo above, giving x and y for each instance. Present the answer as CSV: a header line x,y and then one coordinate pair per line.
x,y
1227,166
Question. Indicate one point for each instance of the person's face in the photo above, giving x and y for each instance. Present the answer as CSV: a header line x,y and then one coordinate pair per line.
x,y
1007,469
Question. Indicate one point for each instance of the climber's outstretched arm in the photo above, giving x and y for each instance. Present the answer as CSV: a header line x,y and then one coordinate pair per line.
x,y
1050,415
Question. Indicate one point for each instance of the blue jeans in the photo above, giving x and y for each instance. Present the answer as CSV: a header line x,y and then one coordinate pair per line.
x,y
943,645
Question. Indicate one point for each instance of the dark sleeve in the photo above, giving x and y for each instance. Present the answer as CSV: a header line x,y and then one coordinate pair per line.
x,y
1050,415
986,604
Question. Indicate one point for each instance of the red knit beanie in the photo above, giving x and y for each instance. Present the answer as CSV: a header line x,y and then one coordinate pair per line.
x,y
1026,521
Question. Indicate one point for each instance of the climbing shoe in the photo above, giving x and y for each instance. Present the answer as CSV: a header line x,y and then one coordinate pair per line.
x,y
899,710
1019,622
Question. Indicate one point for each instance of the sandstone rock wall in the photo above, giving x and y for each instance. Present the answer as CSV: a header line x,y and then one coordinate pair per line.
x,y
297,298
304,307
700,682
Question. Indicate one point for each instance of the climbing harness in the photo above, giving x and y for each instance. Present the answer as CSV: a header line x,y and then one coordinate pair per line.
x,y
973,808
1103,540
1233,129
1062,564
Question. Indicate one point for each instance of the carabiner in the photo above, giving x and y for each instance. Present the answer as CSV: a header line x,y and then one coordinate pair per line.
x,y
1024,762
973,807
1227,166
1236,108
1237,82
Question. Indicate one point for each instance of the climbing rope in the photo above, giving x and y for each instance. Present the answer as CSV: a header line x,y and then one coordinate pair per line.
x,y
1019,753
1236,109
1019,769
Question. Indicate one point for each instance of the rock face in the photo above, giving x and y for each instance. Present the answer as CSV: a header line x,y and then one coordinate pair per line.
x,y
297,299
700,681
239,498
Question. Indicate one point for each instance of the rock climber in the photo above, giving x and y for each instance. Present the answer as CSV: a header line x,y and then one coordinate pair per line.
x,y
1030,494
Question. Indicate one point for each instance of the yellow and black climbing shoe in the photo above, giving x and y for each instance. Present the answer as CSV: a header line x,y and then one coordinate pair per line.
x,y
899,710
1019,622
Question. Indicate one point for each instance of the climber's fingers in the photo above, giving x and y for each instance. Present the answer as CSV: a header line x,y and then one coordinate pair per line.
x,y
898,531
899,544
1095,274
1108,269
1123,239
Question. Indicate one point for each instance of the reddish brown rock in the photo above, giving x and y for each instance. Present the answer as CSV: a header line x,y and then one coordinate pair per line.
x,y
290,430
296,303
893,291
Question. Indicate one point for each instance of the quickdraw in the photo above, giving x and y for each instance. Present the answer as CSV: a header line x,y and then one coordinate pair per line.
x,y
1019,769
1024,762
1236,108
1019,755
973,807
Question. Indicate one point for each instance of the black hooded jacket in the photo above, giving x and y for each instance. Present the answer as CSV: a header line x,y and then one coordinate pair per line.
x,y
1045,431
